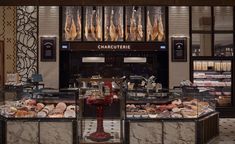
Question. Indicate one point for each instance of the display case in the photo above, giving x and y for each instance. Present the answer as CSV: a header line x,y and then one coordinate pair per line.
x,y
215,75
178,115
71,23
147,100
39,116
113,30
93,23
101,111
135,23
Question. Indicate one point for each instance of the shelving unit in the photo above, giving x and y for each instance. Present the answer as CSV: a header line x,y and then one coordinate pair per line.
x,y
215,75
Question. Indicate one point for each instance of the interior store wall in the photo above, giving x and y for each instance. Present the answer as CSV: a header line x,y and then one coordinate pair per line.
x,y
26,41
49,27
178,26
7,34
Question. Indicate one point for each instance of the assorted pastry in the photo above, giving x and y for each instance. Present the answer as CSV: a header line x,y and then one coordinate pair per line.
x,y
176,109
30,108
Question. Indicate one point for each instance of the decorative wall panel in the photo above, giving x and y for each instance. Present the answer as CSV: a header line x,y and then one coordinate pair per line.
x,y
27,47
7,34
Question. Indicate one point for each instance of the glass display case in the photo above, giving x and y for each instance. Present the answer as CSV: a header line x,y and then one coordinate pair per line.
x,y
41,116
155,24
135,23
147,100
215,75
71,23
101,111
113,29
41,104
93,23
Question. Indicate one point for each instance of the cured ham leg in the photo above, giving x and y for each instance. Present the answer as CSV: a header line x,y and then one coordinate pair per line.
x,y
73,32
149,27
160,30
155,29
98,26
132,34
67,26
139,28
120,25
79,25
112,29
86,26
92,27
126,31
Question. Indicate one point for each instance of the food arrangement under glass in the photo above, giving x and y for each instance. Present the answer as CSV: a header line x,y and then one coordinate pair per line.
x,y
216,76
93,25
30,108
155,24
72,27
188,108
113,24
135,23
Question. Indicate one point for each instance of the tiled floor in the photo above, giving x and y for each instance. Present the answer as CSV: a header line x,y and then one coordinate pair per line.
x,y
227,132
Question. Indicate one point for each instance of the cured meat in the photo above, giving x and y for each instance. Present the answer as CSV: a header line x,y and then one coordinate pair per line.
x,y
67,26
98,26
92,27
73,32
86,26
120,25
155,29
126,32
149,27
132,34
112,29
139,28
79,25
160,29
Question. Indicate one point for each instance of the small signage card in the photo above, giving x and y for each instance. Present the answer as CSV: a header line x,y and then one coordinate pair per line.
x,y
179,49
48,48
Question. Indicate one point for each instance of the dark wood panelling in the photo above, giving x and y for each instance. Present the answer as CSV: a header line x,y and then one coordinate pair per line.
x,y
118,2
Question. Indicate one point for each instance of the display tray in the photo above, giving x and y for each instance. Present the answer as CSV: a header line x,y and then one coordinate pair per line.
x,y
111,126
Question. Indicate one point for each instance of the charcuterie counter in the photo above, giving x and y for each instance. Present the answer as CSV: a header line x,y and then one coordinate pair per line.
x,y
132,116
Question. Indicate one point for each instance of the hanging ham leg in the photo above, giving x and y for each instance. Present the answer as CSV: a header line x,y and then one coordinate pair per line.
x,y
155,29
98,26
79,26
126,31
112,29
132,34
67,26
120,25
73,32
86,26
139,27
92,27
160,30
149,27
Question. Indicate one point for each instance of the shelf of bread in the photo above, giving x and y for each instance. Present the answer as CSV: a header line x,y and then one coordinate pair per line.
x,y
190,108
30,108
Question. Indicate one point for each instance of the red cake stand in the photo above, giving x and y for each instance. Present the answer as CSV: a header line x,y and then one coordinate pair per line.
x,y
100,135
